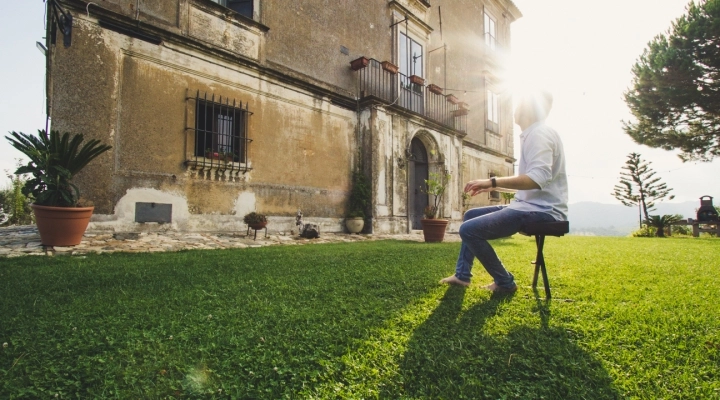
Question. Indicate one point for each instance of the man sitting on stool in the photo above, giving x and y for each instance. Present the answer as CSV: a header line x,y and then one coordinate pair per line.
x,y
541,196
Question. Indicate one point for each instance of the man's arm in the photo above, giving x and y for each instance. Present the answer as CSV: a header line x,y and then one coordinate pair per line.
x,y
520,182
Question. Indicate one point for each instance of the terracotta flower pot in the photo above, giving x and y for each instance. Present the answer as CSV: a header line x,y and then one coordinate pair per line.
x,y
460,112
435,88
390,67
434,229
61,226
359,63
452,99
417,80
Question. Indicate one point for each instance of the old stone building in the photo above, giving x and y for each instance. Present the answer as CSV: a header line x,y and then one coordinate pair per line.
x,y
215,108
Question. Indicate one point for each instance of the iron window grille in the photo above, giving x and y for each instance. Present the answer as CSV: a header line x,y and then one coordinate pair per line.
x,y
219,138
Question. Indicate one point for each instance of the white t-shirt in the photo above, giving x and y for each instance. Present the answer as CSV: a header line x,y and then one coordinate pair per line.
x,y
542,159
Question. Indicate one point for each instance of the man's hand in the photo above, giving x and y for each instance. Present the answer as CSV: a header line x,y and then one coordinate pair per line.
x,y
520,182
478,186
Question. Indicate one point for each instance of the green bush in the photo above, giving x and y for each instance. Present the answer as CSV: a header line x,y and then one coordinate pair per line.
x,y
14,205
645,231
359,200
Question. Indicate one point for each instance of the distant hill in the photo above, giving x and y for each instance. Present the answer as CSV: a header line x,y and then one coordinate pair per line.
x,y
600,219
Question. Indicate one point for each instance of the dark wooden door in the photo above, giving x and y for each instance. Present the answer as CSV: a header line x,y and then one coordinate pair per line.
x,y
417,197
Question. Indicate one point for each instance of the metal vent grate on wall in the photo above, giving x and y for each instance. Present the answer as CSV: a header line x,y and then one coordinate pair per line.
x,y
153,212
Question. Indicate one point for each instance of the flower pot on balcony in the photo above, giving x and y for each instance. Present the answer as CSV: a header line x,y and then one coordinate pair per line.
x,y
390,67
452,99
460,112
417,80
435,88
359,63
463,105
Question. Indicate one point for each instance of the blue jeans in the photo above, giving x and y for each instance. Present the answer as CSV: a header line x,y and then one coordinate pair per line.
x,y
486,223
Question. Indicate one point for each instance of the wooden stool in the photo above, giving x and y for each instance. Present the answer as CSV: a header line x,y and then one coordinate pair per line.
x,y
540,230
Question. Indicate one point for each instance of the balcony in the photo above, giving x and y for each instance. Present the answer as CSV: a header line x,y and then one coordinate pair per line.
x,y
397,89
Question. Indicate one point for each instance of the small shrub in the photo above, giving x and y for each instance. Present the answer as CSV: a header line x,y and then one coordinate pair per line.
x,y
254,218
645,231
14,205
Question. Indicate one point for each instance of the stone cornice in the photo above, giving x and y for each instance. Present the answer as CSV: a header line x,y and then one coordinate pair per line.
x,y
401,9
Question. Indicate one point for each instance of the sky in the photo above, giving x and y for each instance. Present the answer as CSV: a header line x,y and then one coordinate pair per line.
x,y
581,51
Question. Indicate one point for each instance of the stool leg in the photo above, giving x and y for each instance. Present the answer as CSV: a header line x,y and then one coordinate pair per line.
x,y
546,282
538,258
540,265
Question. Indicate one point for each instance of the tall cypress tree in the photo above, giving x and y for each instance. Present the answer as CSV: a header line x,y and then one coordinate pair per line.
x,y
640,187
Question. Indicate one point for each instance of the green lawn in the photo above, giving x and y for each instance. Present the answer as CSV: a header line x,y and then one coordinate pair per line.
x,y
630,318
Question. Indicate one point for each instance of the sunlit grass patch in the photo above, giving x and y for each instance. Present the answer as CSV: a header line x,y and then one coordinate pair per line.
x,y
631,317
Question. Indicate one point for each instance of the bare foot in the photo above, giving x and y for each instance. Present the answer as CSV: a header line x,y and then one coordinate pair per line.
x,y
499,289
453,280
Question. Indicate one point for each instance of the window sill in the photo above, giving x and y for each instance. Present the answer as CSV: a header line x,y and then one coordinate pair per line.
x,y
203,163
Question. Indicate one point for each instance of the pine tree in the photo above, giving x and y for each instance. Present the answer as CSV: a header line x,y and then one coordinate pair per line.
x,y
675,95
640,187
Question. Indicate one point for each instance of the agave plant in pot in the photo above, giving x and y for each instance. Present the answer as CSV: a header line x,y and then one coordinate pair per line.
x,y
433,227
54,160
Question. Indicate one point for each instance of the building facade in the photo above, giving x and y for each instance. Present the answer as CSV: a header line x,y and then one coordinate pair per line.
x,y
216,108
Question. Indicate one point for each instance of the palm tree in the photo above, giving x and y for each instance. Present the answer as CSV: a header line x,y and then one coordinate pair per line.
x,y
661,222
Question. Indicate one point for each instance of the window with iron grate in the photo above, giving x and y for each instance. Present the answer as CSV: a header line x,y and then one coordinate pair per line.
x,y
220,137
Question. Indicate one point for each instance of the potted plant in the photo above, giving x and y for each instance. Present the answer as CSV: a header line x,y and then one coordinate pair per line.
x,y
390,67
435,88
433,227
359,63
209,153
54,160
255,221
358,203
452,99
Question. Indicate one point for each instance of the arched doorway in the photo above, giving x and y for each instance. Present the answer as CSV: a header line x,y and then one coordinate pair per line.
x,y
418,167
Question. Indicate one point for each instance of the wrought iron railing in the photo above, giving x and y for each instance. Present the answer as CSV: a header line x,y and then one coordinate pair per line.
x,y
395,88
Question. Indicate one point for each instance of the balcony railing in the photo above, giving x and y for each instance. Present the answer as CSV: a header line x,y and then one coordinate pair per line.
x,y
395,88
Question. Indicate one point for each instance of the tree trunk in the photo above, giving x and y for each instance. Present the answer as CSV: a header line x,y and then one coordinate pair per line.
x,y
660,231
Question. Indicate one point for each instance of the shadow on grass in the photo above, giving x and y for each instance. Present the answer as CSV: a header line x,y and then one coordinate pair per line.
x,y
452,355
265,323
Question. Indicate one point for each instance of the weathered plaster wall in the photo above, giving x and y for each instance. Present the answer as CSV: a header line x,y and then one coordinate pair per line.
x,y
306,37
132,94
